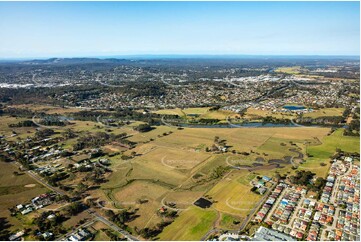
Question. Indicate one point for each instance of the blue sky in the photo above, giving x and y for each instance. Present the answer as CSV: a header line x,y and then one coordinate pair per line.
x,y
48,29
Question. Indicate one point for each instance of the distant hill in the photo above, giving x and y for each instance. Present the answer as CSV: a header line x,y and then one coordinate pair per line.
x,y
73,61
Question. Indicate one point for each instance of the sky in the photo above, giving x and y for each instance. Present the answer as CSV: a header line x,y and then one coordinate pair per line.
x,y
83,29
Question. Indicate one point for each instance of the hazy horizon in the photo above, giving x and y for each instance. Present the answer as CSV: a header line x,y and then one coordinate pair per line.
x,y
182,56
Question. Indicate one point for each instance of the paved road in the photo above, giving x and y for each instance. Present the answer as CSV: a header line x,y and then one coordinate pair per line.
x,y
41,181
256,207
112,225
75,229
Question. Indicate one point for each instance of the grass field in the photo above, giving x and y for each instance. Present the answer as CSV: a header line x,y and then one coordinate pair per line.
x,y
227,222
15,190
289,70
332,142
101,236
325,112
232,196
183,155
174,111
21,132
255,114
139,190
218,114
321,153
191,224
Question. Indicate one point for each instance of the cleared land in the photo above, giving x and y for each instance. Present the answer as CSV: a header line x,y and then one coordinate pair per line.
x,y
325,112
191,224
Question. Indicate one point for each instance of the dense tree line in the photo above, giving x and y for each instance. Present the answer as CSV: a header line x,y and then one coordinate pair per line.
x,y
99,139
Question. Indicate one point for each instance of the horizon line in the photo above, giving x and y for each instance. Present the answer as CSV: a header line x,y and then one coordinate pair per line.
x,y
173,56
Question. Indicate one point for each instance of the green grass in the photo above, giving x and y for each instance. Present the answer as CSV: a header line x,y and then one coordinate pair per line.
x,y
192,224
321,153
332,142
101,236
227,222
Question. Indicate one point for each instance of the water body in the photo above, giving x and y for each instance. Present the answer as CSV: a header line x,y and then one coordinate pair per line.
x,y
203,203
292,108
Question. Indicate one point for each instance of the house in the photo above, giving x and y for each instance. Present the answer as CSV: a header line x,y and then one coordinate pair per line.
x,y
16,236
73,238
262,190
266,178
27,210
19,207
47,235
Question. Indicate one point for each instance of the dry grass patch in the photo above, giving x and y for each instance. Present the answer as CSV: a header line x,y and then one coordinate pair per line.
x,y
139,190
325,112
14,192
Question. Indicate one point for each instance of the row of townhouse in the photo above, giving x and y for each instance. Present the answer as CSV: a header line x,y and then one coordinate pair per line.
x,y
272,198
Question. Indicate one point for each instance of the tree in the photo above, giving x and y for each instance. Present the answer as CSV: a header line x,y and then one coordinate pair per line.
x,y
143,128
74,208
